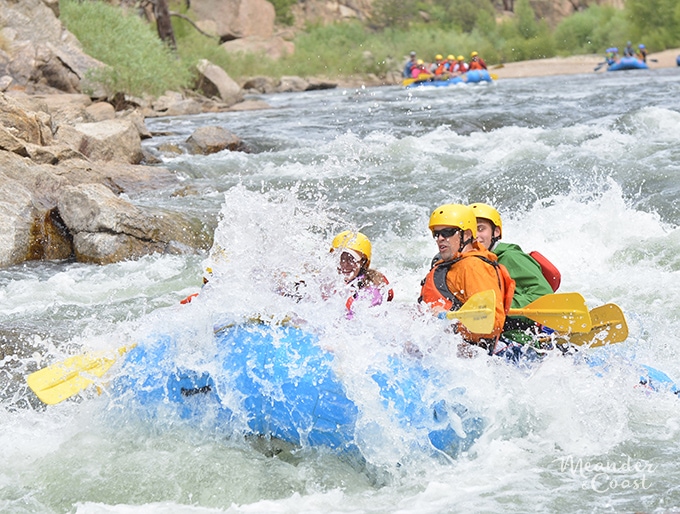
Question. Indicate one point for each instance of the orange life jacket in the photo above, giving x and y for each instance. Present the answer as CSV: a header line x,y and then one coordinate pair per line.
x,y
435,290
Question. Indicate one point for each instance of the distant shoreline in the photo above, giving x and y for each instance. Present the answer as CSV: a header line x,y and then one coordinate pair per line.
x,y
553,66
574,65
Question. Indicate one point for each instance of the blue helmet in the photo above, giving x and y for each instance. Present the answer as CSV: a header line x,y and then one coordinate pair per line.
x,y
641,45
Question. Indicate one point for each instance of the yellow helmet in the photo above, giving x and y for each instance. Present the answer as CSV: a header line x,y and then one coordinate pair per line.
x,y
450,57
485,211
474,54
461,58
420,61
438,57
353,241
454,215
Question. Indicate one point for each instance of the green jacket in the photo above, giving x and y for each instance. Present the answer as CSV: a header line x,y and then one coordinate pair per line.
x,y
530,284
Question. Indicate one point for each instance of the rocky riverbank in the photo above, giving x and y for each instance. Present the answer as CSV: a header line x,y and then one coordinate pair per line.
x,y
71,164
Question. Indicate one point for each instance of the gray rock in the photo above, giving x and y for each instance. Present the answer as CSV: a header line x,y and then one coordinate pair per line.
x,y
43,55
16,214
31,127
212,139
214,81
261,84
108,229
273,47
110,140
292,84
233,19
101,111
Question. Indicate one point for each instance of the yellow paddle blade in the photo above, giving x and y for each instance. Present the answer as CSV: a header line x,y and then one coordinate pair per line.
x,y
478,313
564,312
423,77
609,327
61,380
493,76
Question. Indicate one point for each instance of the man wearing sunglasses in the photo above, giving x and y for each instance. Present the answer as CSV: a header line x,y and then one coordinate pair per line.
x,y
464,268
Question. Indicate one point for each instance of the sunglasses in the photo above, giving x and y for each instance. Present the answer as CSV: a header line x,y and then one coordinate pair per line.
x,y
445,232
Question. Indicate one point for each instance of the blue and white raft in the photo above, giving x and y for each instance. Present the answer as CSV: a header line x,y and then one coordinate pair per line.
x,y
277,382
470,77
628,63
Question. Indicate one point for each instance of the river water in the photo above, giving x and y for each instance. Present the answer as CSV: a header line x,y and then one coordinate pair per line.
x,y
583,168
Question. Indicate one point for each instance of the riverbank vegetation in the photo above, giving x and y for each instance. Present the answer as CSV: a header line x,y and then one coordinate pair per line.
x,y
139,63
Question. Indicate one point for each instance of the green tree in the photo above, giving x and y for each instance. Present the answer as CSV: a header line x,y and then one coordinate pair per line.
x,y
525,38
589,31
283,12
526,19
656,21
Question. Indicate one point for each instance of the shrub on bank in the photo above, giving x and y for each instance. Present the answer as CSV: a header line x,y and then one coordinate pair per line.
x,y
591,31
138,61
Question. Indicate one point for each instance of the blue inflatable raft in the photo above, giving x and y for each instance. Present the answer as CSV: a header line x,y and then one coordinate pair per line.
x,y
471,77
277,382
628,63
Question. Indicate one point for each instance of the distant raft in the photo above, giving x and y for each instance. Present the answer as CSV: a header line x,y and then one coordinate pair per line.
x,y
471,77
628,63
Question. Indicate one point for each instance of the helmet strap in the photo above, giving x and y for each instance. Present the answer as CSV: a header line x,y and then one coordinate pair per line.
x,y
494,239
463,242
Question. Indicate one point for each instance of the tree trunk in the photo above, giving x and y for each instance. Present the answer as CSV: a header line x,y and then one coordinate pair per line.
x,y
163,23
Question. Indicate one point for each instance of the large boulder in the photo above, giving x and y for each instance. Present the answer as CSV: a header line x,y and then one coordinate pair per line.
x,y
292,84
16,214
109,140
212,139
29,126
214,81
39,179
273,47
233,19
119,177
324,12
108,229
39,53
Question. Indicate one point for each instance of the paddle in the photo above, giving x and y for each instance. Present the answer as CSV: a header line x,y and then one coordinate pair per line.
x,y
600,65
609,327
61,380
425,78
493,76
478,313
564,312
